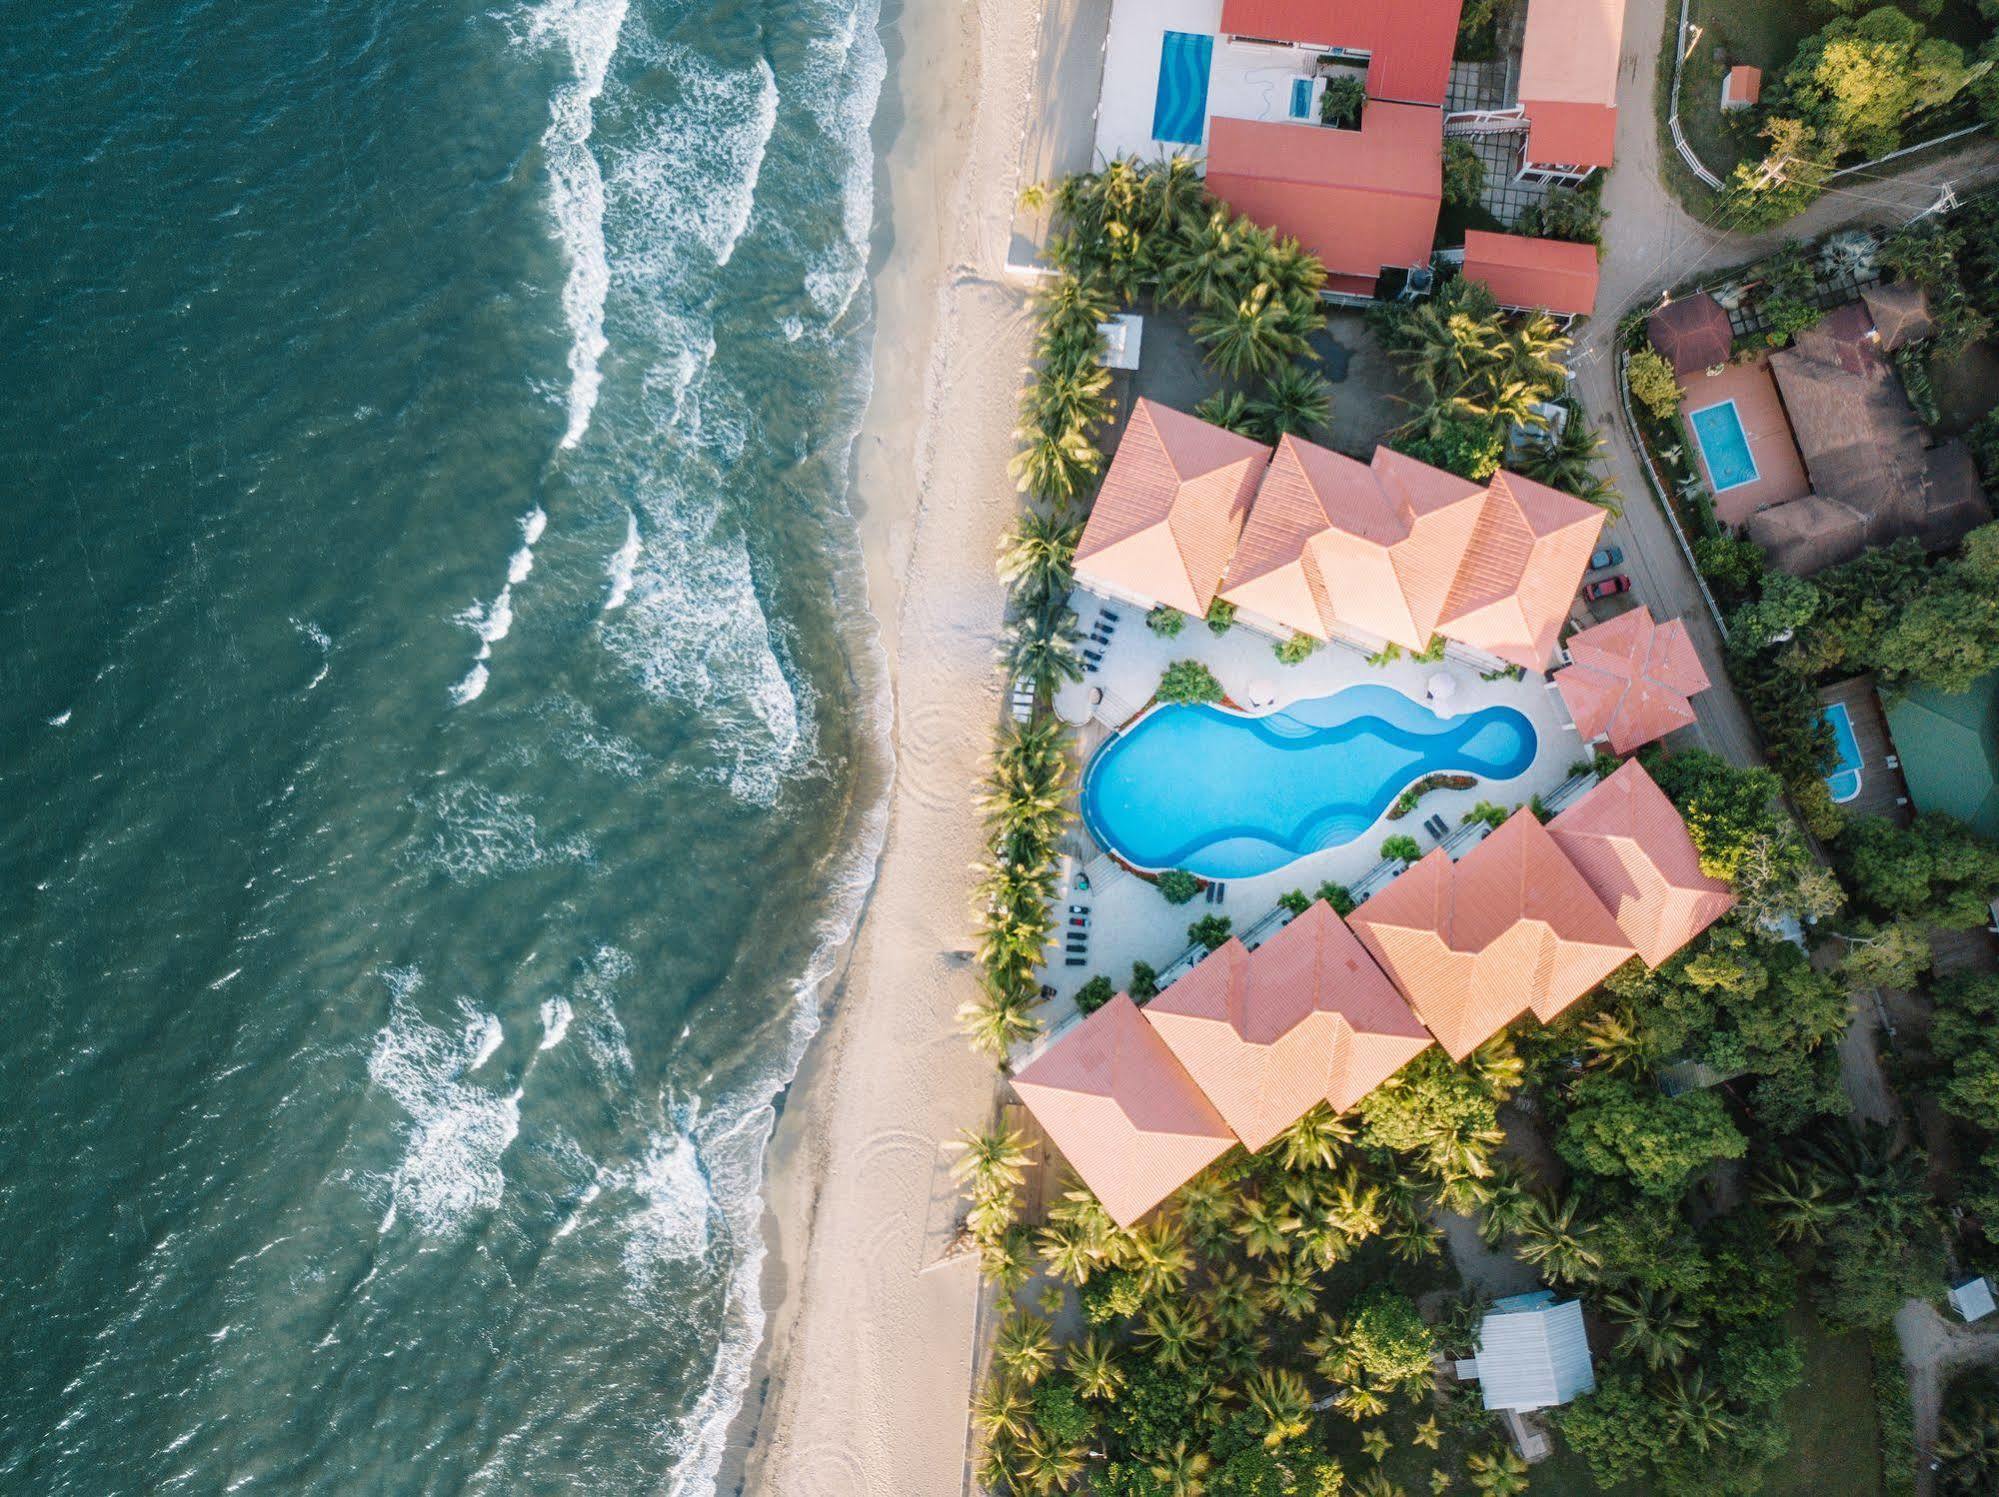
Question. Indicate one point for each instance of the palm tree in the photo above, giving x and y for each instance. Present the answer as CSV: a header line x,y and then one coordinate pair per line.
x,y
1378,1483
1070,396
1252,337
1093,1363
1037,554
1158,1254
1041,647
1360,1401
1428,1433
1415,1241
995,1022
1377,1445
1025,1347
1233,1301
990,1160
1180,1471
1559,1240
1572,461
1499,1472
1656,1329
1614,1043
1054,464
1069,1253
1173,1331
1230,410
1315,1139
1001,1409
1800,1202
1173,194
1352,1206
1206,1203
1508,1207
1048,1466
1498,1067
1283,1402
1968,1446
1008,1262
1297,399
1263,1227
1693,1411
1206,265
994,1470
1290,1288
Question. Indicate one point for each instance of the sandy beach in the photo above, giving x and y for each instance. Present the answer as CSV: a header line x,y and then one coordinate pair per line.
x,y
868,1358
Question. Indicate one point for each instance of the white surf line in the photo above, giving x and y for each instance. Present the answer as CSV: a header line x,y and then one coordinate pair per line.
x,y
493,621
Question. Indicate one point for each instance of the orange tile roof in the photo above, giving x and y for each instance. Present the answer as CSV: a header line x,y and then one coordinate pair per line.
x,y
1568,80
1122,1110
1631,846
1522,568
1358,199
1631,679
1171,508
1306,1017
1743,85
1525,272
1410,42
1511,929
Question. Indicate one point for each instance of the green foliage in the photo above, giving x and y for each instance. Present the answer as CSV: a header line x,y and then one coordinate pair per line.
x,y
1654,385
1784,317
1763,193
1913,364
1947,635
1165,622
1860,79
1891,955
1094,994
1220,616
1786,605
1177,885
1401,846
1726,809
1486,811
1210,931
1387,1340
1616,1429
1965,1037
1339,897
1189,682
1638,1133
1443,1113
1111,1297
1984,441
1571,213
1296,400
1297,901
1296,650
1895,1410
1060,1413
1340,105
1734,565
1469,445
1936,871
1144,982
1464,173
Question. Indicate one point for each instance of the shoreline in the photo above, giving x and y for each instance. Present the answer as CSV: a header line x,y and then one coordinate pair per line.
x,y
861,1379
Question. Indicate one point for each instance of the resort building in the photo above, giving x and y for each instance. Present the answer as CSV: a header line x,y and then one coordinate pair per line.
x,y
1693,334
1632,848
1568,87
1305,1018
1527,274
1390,551
1948,749
1628,680
1532,1354
1511,929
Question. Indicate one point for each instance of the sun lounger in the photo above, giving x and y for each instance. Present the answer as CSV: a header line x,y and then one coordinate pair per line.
x,y
1077,961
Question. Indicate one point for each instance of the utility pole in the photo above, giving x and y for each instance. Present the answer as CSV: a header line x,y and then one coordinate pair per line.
x,y
1946,201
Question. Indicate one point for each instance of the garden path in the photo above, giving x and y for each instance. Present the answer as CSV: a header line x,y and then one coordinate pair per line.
x,y
1933,1348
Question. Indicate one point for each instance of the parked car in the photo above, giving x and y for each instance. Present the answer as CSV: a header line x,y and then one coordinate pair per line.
x,y
1609,556
1607,587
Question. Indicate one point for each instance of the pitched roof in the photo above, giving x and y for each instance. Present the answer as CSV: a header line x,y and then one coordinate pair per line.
x,y
1525,560
1171,508
1358,199
1949,748
1511,929
1533,1357
1742,85
1568,80
1632,848
1410,42
1693,333
1306,1017
1630,679
1525,272
1809,534
1122,1111
1900,311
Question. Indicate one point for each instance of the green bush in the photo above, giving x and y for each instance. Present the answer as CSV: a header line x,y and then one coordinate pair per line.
x,y
1178,885
1189,682
1401,846
1144,982
1491,814
1567,213
1340,105
1464,174
1984,440
1787,316
1339,897
1295,650
1297,901
1896,1411
1094,994
1469,446
1220,615
1653,385
1210,930
1166,622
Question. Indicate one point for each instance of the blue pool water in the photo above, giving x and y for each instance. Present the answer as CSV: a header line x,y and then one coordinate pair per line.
x,y
1229,796
1844,782
1725,445
1301,98
1180,109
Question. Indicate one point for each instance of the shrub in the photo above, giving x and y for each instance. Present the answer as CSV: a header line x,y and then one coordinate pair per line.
x,y
1189,681
1788,316
1210,930
1491,814
1339,897
1653,385
1567,213
1144,982
1469,446
1094,994
1295,650
1464,174
1913,364
1401,846
1297,901
1178,885
1165,622
1340,105
1220,616
1816,808
1895,1409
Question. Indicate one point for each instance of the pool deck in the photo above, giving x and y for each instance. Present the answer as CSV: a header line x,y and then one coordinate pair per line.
x,y
1883,792
1780,472
1131,922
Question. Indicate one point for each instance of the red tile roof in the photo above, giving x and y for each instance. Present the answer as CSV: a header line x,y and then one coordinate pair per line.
x,y
1511,929
1306,1017
1410,41
1631,679
1522,568
1568,80
1122,1110
1524,272
1631,847
1743,85
1358,199
1171,508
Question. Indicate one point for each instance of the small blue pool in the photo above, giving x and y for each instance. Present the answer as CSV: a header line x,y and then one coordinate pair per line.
x,y
1180,109
1301,98
1724,444
1229,796
1844,781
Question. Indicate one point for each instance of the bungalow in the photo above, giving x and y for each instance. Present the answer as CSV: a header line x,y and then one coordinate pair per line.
x,y
1532,1354
1948,746
1568,87
1628,680
1530,274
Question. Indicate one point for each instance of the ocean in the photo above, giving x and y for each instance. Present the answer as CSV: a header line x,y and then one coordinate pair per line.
x,y
441,734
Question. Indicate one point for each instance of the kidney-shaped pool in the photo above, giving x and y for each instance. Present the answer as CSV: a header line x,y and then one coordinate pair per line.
x,y
1226,795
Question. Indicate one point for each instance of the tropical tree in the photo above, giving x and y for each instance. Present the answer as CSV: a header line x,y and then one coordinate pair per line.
x,y
1254,336
1055,464
1613,1042
1264,1226
1231,410
1047,1465
1968,1446
1499,1472
1282,1403
1290,1288
1041,647
1799,1200
1572,460
1025,1346
1036,555
1694,1413
1315,1139
1207,263
1656,1329
1181,1470
1558,1239
1297,399
1071,1253
996,1021
1001,1409
1234,1301
1093,1363
1173,1332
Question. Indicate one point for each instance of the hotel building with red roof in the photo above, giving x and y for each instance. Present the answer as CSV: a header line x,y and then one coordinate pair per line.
x,y
1629,680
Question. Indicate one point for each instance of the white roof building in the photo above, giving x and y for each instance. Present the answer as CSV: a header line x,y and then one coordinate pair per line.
x,y
1532,1353
1972,1299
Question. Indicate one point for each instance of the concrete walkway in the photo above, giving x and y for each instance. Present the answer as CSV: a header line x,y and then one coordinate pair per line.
x,y
1934,1350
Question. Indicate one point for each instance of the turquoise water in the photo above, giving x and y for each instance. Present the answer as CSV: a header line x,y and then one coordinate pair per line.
x,y
439,735
1230,796
1725,445
1180,108
1844,782
1301,98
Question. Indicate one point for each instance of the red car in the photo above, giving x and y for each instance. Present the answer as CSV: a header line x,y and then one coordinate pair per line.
x,y
1609,587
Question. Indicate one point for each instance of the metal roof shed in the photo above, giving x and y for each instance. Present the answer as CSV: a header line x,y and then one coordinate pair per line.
x,y
1532,1353
1972,1299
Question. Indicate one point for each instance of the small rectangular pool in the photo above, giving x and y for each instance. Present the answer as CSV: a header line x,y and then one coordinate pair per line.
x,y
1844,781
1724,444
1301,98
1180,108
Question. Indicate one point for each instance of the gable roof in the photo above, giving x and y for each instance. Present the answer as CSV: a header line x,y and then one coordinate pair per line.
x,y
1741,85
1568,80
1306,1017
1949,748
1122,1110
1630,679
1359,199
1511,929
1901,312
1533,1357
1632,848
1526,558
1171,508
1526,272
1693,333
1410,42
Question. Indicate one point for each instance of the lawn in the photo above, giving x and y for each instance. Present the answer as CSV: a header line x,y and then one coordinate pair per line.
x,y
1835,1439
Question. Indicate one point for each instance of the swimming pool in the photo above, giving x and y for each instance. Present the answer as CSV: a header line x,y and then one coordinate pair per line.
x,y
1844,781
1225,795
1180,108
1725,445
